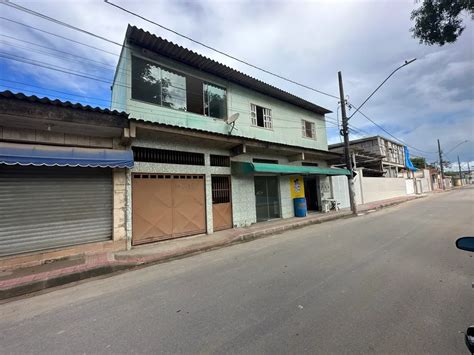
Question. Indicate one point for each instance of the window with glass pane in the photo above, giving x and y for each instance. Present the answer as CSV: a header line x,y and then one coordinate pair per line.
x,y
214,101
146,81
156,85
173,90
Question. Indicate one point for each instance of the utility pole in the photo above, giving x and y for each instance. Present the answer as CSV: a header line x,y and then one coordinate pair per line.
x,y
345,134
441,166
469,173
460,172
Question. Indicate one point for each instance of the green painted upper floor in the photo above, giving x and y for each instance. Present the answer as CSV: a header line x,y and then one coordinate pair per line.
x,y
164,85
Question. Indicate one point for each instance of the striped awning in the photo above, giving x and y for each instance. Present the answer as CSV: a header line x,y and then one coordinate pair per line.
x,y
44,155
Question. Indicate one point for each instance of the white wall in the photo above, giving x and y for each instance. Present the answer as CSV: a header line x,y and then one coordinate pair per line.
x,y
410,188
376,189
340,190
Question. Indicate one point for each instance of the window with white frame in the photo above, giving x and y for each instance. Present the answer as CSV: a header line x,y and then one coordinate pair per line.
x,y
261,116
308,129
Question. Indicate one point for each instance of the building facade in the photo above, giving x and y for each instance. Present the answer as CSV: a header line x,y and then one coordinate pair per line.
x,y
213,147
62,179
377,156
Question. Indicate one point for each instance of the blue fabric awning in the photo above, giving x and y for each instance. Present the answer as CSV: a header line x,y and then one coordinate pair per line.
x,y
39,155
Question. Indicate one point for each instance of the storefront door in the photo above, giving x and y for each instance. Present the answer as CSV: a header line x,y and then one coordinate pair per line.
x,y
267,198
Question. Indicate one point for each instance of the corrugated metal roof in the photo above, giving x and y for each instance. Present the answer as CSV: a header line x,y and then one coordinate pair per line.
x,y
45,100
173,51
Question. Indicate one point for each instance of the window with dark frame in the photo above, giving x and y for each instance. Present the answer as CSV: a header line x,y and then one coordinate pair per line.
x,y
265,161
220,160
157,85
154,84
309,164
220,189
308,128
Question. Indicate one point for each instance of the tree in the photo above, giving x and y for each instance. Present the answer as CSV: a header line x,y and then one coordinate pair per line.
x,y
446,164
440,21
419,162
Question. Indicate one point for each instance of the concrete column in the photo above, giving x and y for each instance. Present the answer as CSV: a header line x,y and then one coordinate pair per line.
x,y
208,187
119,204
128,208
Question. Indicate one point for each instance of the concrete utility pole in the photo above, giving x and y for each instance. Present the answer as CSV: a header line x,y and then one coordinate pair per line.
x,y
469,173
441,166
460,171
345,134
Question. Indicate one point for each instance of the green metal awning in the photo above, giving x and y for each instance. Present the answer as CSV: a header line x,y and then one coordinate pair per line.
x,y
252,168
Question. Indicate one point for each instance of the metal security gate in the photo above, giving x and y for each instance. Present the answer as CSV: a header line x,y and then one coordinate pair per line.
x,y
51,207
167,206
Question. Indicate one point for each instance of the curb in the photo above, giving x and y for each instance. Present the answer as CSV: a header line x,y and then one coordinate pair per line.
x,y
124,263
39,285
389,204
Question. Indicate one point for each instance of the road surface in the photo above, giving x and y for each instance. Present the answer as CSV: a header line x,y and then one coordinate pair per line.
x,y
387,282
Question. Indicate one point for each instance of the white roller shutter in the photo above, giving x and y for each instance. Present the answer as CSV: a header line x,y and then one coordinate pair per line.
x,y
51,207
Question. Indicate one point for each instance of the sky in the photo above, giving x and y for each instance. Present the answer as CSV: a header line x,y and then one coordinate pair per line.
x,y
307,41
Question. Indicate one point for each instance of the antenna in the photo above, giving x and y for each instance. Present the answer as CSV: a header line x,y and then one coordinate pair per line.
x,y
231,121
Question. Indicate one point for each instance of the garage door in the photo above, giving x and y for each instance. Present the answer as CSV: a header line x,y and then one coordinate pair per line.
x,y
167,206
51,207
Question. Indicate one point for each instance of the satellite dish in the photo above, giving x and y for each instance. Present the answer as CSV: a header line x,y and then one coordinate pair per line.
x,y
232,118
231,121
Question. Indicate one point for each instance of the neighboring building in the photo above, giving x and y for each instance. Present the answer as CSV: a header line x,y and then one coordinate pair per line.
x,y
436,182
62,179
199,168
377,156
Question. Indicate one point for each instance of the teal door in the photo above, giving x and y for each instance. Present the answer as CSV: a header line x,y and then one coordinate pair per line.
x,y
267,198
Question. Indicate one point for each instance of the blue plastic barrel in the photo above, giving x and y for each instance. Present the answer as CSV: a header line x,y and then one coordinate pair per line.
x,y
300,207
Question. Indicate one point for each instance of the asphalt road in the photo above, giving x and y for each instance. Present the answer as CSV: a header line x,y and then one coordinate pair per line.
x,y
387,282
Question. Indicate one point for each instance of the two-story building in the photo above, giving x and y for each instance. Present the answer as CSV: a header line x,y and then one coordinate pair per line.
x,y
213,148
377,156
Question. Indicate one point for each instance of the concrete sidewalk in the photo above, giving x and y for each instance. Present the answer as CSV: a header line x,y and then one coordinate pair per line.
x,y
26,280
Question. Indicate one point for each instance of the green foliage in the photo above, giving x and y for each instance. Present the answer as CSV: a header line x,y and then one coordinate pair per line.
x,y
418,162
435,164
440,21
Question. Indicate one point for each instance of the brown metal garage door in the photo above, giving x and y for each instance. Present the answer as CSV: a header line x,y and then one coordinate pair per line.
x,y
167,206
221,202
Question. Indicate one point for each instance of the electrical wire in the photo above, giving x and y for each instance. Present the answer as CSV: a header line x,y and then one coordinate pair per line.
x,y
48,18
56,35
51,19
394,137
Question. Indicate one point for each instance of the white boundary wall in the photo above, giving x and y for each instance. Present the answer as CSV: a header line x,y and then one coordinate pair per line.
x,y
371,189
376,189
340,190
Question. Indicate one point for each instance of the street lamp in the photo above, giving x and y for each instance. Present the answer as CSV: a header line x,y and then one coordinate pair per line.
x,y
345,129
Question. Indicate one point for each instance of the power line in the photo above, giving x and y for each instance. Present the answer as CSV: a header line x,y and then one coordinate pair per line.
x,y
394,137
51,67
54,49
51,19
56,35
45,17
56,56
